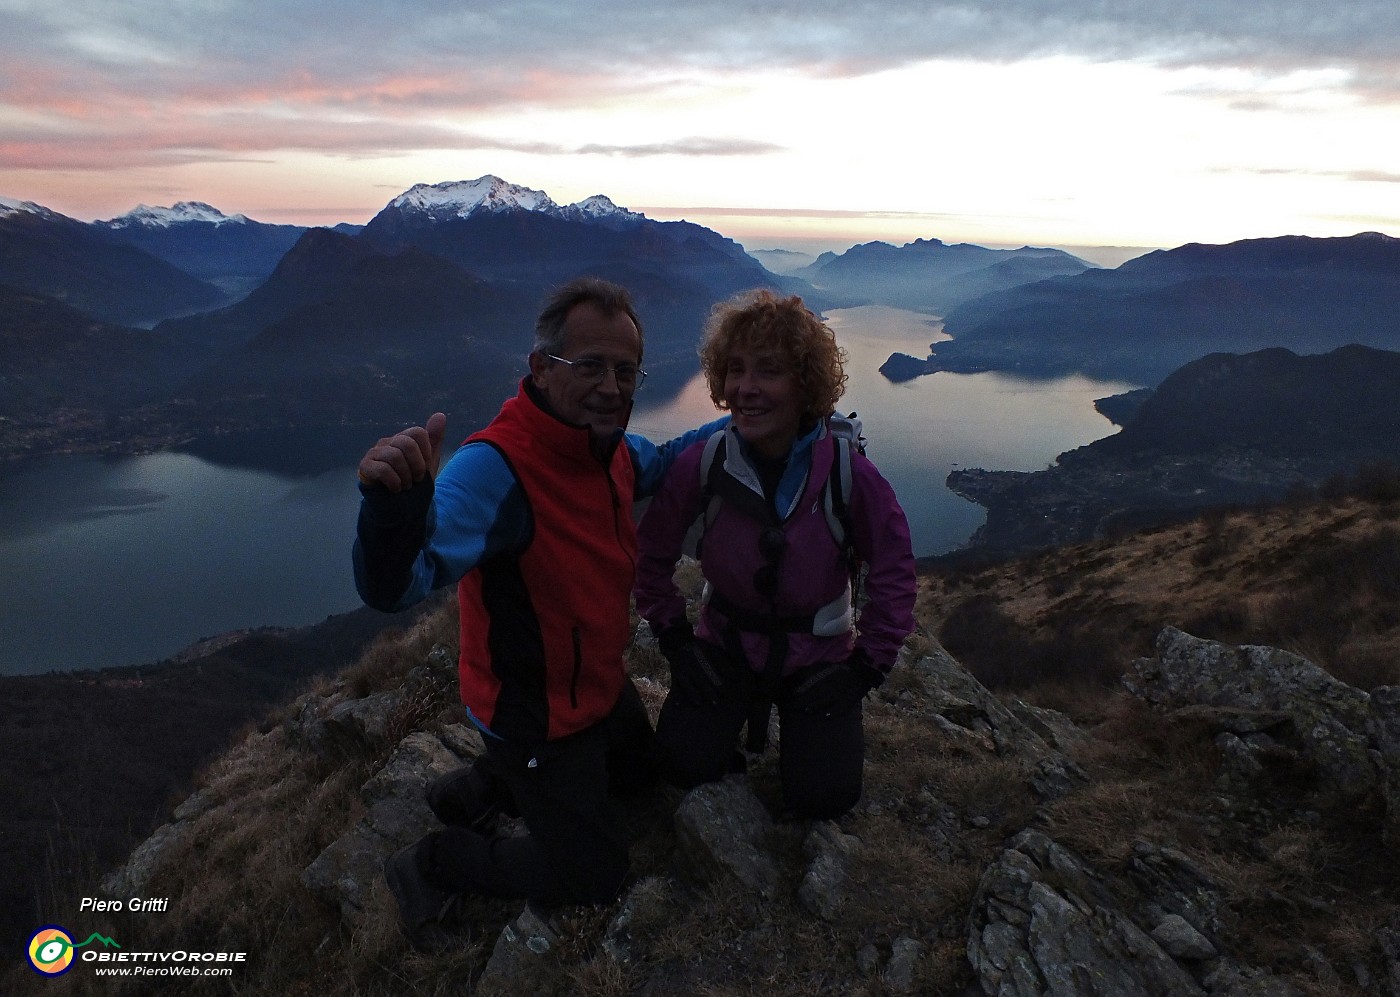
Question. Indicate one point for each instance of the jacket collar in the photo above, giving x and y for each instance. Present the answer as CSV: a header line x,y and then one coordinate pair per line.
x,y
568,440
738,463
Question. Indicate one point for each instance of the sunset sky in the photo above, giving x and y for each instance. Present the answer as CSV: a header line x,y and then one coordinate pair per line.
x,y
812,124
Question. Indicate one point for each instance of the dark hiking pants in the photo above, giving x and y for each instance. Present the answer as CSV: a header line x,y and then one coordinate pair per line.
x,y
576,849
820,758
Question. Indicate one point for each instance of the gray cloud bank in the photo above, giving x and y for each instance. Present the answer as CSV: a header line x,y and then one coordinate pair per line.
x,y
335,41
323,74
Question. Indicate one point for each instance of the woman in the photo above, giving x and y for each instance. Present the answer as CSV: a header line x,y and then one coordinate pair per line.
x,y
776,626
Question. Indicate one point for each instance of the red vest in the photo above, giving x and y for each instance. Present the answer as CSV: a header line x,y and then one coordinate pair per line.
x,y
543,629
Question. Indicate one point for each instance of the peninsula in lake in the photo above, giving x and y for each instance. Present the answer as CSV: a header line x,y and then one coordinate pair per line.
x,y
1225,429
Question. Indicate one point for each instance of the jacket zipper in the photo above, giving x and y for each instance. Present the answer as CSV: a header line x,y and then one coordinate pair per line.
x,y
618,512
578,667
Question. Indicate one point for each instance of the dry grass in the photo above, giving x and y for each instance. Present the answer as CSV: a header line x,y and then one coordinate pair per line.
x,y
1322,579
1146,774
235,880
382,665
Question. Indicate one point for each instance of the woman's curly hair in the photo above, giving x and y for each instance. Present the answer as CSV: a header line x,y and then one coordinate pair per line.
x,y
761,321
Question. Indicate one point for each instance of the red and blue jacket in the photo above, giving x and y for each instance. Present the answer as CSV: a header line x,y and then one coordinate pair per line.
x,y
537,532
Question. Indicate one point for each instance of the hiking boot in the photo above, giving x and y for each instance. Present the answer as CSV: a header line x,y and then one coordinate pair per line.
x,y
424,908
468,798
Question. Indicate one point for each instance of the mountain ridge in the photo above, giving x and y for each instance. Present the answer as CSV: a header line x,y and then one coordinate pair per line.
x,y
46,253
1157,312
232,252
930,275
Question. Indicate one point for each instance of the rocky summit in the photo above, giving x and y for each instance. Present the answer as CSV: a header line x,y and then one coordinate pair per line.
x,y
1227,827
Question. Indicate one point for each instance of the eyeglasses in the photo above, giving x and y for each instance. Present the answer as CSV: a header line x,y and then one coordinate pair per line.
x,y
593,371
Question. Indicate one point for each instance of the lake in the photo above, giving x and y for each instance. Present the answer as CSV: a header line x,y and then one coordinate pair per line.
x,y
113,561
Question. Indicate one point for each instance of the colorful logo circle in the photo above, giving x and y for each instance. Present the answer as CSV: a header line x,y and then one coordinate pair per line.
x,y
51,950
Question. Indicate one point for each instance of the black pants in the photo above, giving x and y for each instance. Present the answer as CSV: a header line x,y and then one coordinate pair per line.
x,y
820,758
576,849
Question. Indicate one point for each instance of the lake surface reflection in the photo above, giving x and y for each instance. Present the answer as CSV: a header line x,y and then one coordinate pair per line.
x,y
122,561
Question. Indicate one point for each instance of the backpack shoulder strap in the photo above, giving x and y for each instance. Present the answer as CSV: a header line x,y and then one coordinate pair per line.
x,y
711,467
837,504
845,432
710,459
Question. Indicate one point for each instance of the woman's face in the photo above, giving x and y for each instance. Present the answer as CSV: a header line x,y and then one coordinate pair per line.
x,y
762,394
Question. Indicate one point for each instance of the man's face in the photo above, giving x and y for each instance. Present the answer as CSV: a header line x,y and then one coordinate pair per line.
x,y
588,333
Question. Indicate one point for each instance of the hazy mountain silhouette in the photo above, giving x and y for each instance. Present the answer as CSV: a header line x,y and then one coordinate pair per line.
x,y
322,265
50,254
342,333
234,253
782,261
52,355
1157,312
929,275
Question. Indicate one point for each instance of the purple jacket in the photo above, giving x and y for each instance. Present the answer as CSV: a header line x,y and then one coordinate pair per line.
x,y
814,577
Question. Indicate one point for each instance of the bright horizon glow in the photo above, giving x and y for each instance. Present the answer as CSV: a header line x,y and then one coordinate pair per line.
x,y
1145,134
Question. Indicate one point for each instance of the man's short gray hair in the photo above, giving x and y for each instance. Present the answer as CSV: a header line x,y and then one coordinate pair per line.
x,y
609,298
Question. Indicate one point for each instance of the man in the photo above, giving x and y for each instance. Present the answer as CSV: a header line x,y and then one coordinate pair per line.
x,y
532,519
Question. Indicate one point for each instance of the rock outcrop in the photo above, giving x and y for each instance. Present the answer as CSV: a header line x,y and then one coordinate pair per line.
x,y
1268,704
1044,922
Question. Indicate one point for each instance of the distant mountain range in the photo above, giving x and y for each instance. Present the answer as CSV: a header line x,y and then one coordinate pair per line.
x,y
230,251
515,236
782,261
1157,312
1227,428
430,305
929,275
181,323
80,265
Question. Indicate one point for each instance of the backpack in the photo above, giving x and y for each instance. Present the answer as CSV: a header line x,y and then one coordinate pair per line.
x,y
846,433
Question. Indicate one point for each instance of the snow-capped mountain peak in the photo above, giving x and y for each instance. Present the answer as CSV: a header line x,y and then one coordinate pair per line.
x,y
463,198
601,206
180,213
9,206
490,194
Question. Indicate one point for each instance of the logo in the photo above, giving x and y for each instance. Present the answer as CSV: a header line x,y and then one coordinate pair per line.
x,y
51,949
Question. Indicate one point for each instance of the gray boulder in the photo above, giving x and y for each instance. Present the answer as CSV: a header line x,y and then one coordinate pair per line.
x,y
337,728
1321,719
1383,725
524,949
824,885
723,830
